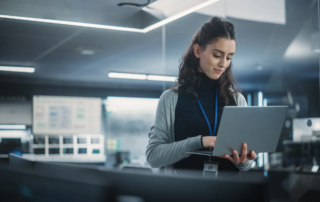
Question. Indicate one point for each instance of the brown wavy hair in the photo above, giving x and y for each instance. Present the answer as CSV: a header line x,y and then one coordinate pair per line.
x,y
189,75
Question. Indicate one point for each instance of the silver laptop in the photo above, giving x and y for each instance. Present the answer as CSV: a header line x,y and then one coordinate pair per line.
x,y
259,127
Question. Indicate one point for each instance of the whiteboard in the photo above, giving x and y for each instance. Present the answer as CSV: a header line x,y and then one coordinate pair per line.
x,y
128,123
16,112
66,115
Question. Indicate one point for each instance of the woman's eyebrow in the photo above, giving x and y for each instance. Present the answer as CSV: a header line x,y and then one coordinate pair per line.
x,y
222,51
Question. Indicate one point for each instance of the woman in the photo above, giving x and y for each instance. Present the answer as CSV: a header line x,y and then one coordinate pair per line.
x,y
205,81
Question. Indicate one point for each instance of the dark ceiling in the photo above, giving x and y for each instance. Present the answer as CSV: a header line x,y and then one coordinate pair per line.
x,y
55,50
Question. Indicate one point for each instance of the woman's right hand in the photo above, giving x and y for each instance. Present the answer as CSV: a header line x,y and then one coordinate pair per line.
x,y
208,141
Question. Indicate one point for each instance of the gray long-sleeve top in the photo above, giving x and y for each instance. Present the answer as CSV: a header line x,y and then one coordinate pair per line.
x,y
162,150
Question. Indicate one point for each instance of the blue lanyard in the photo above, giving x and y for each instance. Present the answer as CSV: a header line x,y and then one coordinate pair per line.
x,y
216,115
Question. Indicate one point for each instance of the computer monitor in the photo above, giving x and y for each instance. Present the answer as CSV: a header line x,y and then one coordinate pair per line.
x,y
10,144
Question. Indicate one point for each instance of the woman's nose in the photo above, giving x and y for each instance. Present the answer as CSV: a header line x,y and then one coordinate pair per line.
x,y
223,62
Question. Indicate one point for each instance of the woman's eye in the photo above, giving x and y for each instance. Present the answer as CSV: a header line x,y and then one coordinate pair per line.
x,y
217,56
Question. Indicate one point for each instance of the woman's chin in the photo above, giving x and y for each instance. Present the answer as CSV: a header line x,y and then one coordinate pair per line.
x,y
215,76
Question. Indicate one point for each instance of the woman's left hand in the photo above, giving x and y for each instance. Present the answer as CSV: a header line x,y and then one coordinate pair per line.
x,y
236,158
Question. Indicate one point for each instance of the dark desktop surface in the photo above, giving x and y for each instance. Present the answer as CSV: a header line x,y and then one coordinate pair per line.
x,y
186,188
291,183
148,187
29,186
281,184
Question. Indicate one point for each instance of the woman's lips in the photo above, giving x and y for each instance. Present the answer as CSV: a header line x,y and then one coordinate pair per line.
x,y
218,71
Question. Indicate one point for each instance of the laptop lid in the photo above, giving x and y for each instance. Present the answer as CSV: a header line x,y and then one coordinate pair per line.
x,y
258,127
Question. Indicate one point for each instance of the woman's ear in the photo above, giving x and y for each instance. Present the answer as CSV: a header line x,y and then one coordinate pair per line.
x,y
196,50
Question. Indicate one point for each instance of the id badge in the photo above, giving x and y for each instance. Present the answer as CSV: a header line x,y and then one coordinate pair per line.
x,y
210,169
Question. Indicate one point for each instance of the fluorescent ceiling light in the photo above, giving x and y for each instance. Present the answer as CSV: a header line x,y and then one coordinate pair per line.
x,y
161,78
13,127
179,15
127,76
17,69
99,26
142,77
79,24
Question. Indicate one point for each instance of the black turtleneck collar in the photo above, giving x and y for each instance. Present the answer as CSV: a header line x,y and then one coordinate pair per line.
x,y
207,84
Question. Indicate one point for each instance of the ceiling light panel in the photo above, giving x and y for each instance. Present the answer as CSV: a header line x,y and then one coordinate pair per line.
x,y
186,7
127,76
17,69
171,10
12,127
270,11
79,24
142,77
161,78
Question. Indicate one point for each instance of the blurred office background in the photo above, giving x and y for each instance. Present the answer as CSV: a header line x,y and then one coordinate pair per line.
x,y
71,106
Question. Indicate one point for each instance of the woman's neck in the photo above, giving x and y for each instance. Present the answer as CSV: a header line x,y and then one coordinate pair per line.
x,y
207,84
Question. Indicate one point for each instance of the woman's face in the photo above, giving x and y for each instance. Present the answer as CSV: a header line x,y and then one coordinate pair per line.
x,y
216,57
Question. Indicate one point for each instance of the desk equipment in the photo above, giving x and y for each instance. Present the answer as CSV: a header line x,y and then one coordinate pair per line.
x,y
69,148
301,153
8,145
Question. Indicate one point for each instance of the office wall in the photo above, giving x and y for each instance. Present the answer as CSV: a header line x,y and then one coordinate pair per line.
x,y
28,90
308,90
